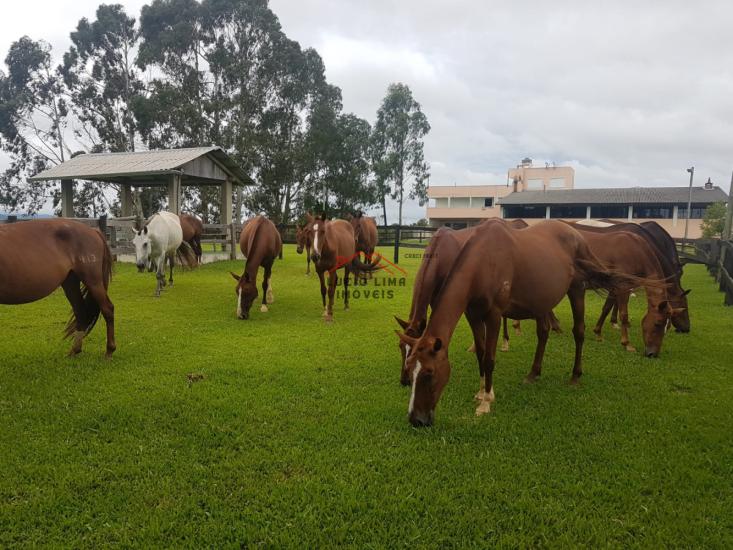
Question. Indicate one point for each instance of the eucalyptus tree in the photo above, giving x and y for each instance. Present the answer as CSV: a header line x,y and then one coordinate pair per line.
x,y
397,148
34,116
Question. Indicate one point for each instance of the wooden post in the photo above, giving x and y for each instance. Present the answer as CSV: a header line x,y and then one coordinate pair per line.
x,y
726,230
226,210
67,198
174,194
397,244
233,241
126,200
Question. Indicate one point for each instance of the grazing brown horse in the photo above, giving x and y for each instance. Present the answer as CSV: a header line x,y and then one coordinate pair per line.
x,y
630,253
500,271
192,230
304,238
437,260
260,243
36,257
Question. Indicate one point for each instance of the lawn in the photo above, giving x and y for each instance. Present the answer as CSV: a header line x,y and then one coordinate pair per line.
x,y
297,433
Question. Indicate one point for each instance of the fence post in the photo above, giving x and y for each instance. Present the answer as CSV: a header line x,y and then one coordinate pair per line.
x,y
233,242
397,244
727,227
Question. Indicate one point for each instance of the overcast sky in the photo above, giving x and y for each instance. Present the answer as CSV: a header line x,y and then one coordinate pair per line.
x,y
629,93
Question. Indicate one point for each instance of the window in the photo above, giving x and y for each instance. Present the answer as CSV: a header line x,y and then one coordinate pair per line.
x,y
488,202
460,202
557,183
524,211
697,213
653,211
535,184
441,202
610,211
567,211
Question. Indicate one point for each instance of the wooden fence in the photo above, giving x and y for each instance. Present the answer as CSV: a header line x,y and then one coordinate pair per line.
x,y
716,255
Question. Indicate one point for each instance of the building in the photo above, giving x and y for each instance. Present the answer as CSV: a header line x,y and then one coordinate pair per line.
x,y
537,193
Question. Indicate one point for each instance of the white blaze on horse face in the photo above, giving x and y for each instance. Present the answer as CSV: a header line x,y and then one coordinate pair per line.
x,y
315,239
239,302
407,354
414,385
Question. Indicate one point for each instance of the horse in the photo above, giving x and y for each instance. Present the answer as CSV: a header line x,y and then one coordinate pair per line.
x,y
501,271
438,258
260,242
365,233
38,256
630,253
304,239
192,230
666,252
334,247
161,238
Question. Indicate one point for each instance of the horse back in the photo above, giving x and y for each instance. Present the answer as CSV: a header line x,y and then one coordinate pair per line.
x,y
340,237
260,237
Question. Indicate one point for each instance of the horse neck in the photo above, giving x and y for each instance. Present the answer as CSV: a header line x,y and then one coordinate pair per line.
x,y
653,270
427,282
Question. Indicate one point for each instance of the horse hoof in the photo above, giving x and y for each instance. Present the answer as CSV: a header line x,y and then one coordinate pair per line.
x,y
574,381
263,308
505,345
599,338
630,348
73,353
270,299
328,318
615,325
483,408
346,307
480,395
531,378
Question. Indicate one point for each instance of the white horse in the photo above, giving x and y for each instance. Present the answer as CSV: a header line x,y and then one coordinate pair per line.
x,y
161,238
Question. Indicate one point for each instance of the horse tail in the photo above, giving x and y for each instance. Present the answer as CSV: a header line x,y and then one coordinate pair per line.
x,y
90,309
186,255
373,265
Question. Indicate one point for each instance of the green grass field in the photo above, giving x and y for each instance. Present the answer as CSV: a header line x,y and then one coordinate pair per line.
x,y
297,435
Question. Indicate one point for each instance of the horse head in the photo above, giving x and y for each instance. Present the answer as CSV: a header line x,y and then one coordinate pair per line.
x,y
246,291
141,241
681,313
654,325
304,235
319,236
414,330
430,370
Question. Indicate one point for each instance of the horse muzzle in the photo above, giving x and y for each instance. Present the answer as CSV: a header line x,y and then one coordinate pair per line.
x,y
422,420
651,353
140,268
315,257
299,250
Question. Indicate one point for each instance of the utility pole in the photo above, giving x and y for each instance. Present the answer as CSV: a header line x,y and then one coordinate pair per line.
x,y
689,204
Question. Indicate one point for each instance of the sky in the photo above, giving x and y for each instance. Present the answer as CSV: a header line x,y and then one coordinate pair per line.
x,y
628,93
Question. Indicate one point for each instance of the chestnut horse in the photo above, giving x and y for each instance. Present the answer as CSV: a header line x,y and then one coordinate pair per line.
x,y
304,239
192,230
260,243
630,253
36,257
365,233
437,260
500,271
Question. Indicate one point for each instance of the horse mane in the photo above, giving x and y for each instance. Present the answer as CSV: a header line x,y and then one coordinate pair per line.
x,y
422,271
251,240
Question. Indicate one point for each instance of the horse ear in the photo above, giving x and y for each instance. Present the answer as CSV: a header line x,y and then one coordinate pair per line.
x,y
403,324
236,277
686,292
409,340
678,310
145,229
437,345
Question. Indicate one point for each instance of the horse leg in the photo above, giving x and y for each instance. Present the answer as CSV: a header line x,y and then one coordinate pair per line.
x,y
171,261
554,322
517,327
479,347
308,260
332,281
267,297
73,294
623,310
346,286
576,295
614,316
323,292
492,324
607,307
543,332
505,331
160,276
100,295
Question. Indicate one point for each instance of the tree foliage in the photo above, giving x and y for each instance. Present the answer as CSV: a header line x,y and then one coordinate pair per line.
x,y
397,148
713,221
